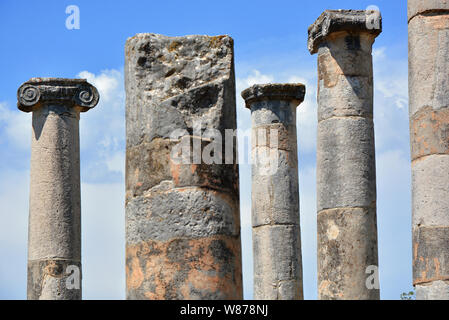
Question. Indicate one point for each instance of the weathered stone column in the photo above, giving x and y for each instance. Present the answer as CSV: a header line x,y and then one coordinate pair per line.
x,y
275,195
54,234
182,218
428,27
346,172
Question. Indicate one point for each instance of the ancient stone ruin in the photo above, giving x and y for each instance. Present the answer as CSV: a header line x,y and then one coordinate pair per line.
x,y
275,194
182,175
346,169
54,240
428,27
182,217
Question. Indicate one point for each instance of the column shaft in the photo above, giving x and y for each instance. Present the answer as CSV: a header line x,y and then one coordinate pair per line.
x,y
275,195
182,218
429,134
55,208
54,240
346,172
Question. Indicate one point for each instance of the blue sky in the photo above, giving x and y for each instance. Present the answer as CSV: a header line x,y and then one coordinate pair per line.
x,y
270,46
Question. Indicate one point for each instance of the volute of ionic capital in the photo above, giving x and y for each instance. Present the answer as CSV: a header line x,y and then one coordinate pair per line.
x,y
77,93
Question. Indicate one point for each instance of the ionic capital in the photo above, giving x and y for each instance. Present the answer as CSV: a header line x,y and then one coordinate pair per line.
x,y
36,92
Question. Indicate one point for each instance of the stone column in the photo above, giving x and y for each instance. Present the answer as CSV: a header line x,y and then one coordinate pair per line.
x,y
54,234
275,195
428,27
346,171
182,217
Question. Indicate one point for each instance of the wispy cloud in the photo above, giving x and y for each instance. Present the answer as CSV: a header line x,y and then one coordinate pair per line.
x,y
390,102
102,129
15,128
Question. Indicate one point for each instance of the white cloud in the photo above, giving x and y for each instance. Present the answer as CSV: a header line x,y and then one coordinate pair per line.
x,y
379,53
390,78
391,103
15,127
108,82
102,130
255,77
243,114
117,163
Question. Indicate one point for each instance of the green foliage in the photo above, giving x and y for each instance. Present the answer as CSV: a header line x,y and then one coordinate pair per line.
x,y
408,296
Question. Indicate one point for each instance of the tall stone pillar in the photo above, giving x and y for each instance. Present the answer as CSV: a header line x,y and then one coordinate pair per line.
x,y
54,234
346,172
428,27
182,217
275,195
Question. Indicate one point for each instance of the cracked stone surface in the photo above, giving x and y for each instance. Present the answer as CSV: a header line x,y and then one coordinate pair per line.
x,y
275,194
346,169
182,219
54,240
428,29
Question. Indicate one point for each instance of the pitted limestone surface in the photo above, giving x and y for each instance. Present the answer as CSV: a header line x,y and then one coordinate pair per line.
x,y
428,28
182,215
346,169
54,240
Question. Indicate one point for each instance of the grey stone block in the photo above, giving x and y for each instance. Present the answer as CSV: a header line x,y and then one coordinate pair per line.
x,y
183,224
429,257
188,213
430,185
346,170
172,82
277,262
351,96
275,197
428,62
347,245
266,112
437,290
416,7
